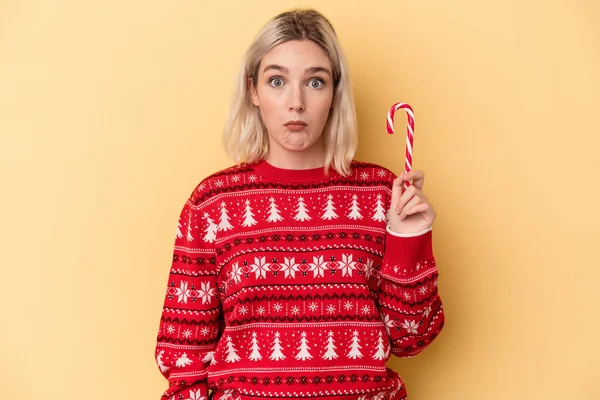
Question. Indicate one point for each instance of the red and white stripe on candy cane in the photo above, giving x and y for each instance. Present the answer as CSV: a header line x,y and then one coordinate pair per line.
x,y
410,132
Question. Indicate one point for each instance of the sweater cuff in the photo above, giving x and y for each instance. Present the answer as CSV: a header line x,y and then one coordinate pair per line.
x,y
407,256
390,231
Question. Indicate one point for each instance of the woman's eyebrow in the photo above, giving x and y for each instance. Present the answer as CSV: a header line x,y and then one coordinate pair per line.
x,y
311,70
275,67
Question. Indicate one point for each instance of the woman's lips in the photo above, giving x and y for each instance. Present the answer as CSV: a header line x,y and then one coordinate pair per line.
x,y
295,125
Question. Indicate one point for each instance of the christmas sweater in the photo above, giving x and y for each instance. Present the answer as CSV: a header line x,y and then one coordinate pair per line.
x,y
289,283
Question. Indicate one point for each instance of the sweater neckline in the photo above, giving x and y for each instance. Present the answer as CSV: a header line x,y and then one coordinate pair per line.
x,y
272,172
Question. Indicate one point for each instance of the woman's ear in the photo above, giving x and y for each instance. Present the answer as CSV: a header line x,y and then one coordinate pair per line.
x,y
253,92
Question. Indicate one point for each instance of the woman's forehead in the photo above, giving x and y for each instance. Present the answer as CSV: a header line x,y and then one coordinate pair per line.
x,y
296,56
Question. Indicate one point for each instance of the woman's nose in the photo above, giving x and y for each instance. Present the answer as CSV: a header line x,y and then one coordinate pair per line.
x,y
297,100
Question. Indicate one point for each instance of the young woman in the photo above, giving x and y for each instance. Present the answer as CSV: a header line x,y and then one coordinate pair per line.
x,y
290,278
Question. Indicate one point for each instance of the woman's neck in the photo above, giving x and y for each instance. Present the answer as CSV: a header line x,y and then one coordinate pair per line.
x,y
306,159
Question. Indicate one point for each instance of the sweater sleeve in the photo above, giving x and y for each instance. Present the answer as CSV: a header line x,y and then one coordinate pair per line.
x,y
408,298
191,320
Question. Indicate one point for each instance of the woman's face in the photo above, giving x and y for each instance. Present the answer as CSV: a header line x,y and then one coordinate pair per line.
x,y
294,91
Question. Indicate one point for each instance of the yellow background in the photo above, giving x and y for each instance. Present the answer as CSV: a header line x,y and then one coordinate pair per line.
x,y
111,112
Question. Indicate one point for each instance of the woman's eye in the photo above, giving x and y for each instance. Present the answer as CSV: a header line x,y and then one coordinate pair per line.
x,y
316,83
276,82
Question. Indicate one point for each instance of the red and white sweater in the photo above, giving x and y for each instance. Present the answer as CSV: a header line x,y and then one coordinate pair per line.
x,y
288,283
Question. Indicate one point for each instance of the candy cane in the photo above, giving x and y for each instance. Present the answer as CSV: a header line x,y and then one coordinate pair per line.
x,y
410,132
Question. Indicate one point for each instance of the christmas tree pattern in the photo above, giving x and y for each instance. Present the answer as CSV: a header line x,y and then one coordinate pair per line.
x,y
161,364
183,361
273,212
211,230
329,209
248,215
379,210
330,353
303,353
255,355
355,347
209,358
301,214
354,209
224,224
380,352
178,233
189,228
276,355
231,352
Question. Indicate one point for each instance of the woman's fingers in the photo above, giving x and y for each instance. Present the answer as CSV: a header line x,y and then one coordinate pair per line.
x,y
416,200
418,178
423,207
413,194
406,197
397,191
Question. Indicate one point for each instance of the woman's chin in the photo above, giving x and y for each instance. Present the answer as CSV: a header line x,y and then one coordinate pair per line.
x,y
299,145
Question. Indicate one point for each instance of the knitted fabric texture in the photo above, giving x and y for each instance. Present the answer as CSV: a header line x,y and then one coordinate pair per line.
x,y
287,284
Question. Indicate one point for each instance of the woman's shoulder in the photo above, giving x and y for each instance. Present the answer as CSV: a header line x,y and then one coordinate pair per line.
x,y
372,170
226,180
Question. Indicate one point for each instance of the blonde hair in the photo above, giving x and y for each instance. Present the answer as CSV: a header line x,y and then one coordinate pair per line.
x,y
245,136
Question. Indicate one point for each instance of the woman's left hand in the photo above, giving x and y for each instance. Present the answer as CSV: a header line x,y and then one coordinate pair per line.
x,y
410,210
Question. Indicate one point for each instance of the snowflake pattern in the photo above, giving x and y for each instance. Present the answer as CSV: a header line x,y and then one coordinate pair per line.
x,y
196,395
410,326
206,292
313,306
289,267
236,273
228,394
318,266
387,322
182,292
260,267
347,265
427,311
